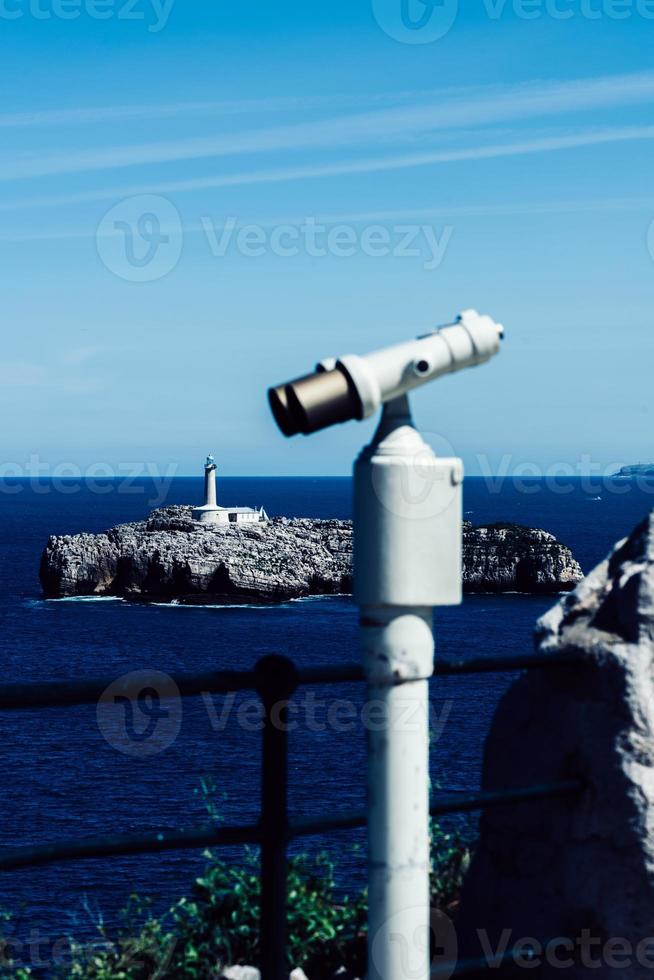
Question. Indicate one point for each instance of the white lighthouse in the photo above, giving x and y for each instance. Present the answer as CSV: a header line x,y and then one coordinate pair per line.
x,y
210,499
211,513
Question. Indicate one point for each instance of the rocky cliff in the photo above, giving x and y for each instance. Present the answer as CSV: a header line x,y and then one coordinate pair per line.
x,y
579,868
169,556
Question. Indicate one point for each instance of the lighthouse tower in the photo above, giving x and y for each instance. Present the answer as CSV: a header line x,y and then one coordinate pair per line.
x,y
210,512
210,482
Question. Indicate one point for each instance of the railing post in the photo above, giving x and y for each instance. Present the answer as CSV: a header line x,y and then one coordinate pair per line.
x,y
276,682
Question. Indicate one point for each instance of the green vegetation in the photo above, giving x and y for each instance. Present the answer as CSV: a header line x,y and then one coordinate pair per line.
x,y
218,924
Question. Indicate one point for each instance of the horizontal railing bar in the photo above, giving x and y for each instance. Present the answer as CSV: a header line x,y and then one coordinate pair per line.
x,y
444,668
51,694
171,840
490,665
455,802
308,826
459,803
339,674
151,842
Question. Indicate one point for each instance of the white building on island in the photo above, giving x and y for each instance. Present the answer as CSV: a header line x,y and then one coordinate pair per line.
x,y
211,513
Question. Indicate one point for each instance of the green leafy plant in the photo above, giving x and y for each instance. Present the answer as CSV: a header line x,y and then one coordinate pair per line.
x,y
218,923
450,859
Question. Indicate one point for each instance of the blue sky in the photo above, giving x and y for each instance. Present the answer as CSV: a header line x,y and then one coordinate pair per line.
x,y
328,179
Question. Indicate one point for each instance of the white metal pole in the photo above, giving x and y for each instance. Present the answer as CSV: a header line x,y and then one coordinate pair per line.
x,y
407,559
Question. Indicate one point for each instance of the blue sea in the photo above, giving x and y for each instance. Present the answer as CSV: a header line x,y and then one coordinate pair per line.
x,y
64,779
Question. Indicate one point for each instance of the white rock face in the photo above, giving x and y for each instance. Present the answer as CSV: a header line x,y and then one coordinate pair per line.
x,y
555,868
170,556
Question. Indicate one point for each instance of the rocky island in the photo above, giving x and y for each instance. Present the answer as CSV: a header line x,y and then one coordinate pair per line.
x,y
172,557
637,469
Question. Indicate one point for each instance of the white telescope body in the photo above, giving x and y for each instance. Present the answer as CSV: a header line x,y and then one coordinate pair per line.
x,y
354,387
394,371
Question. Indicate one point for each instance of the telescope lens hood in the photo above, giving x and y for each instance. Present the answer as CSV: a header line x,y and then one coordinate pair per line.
x,y
315,402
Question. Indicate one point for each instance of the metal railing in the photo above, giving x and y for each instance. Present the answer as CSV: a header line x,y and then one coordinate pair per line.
x,y
275,679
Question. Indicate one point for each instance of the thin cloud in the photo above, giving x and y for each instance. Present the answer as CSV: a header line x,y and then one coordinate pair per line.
x,y
67,377
379,164
78,356
433,212
352,167
462,211
530,101
452,103
21,374
89,115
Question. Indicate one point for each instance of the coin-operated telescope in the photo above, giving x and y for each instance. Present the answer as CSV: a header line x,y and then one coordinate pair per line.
x,y
407,560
